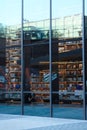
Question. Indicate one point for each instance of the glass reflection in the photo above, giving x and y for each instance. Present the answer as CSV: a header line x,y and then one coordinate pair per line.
x,y
67,66
85,55
10,67
2,61
36,58
69,92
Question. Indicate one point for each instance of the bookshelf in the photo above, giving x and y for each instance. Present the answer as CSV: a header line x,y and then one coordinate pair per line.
x,y
69,78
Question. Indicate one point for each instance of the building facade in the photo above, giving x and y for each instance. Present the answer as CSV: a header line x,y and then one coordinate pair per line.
x,y
25,76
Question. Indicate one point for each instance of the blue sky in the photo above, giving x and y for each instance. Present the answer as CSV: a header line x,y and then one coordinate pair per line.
x,y
10,10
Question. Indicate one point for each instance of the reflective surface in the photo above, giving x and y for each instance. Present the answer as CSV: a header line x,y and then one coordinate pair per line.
x,y
85,55
10,67
36,51
67,66
69,92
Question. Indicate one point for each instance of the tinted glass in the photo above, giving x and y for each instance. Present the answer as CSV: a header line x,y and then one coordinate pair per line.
x,y
10,67
85,55
36,57
68,86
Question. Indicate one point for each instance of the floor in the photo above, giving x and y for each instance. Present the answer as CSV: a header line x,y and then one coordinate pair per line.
x,y
68,112
18,122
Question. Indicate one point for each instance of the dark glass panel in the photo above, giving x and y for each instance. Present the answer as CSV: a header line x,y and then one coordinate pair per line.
x,y
85,55
36,58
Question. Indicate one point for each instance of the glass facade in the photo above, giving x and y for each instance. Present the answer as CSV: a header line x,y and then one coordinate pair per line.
x,y
85,55
41,59
10,66
36,47
69,95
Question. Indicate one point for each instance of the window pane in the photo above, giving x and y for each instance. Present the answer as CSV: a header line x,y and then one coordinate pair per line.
x,y
68,92
84,49
36,58
10,56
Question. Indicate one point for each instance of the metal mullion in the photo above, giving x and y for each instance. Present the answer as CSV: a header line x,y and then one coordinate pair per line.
x,y
50,59
22,60
83,55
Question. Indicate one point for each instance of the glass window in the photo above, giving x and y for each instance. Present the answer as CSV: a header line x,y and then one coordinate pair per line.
x,y
36,59
10,56
67,88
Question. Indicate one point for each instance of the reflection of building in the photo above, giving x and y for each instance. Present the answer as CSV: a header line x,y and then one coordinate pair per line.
x,y
2,66
66,58
65,27
2,51
12,67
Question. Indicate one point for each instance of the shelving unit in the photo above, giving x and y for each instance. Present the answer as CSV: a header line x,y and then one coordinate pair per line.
x,y
69,78
39,87
13,69
68,46
70,81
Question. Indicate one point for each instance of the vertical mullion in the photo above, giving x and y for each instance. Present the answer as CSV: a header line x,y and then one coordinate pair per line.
x,y
22,62
83,55
50,58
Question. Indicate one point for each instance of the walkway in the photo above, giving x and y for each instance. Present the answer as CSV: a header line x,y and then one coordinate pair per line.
x,y
15,122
